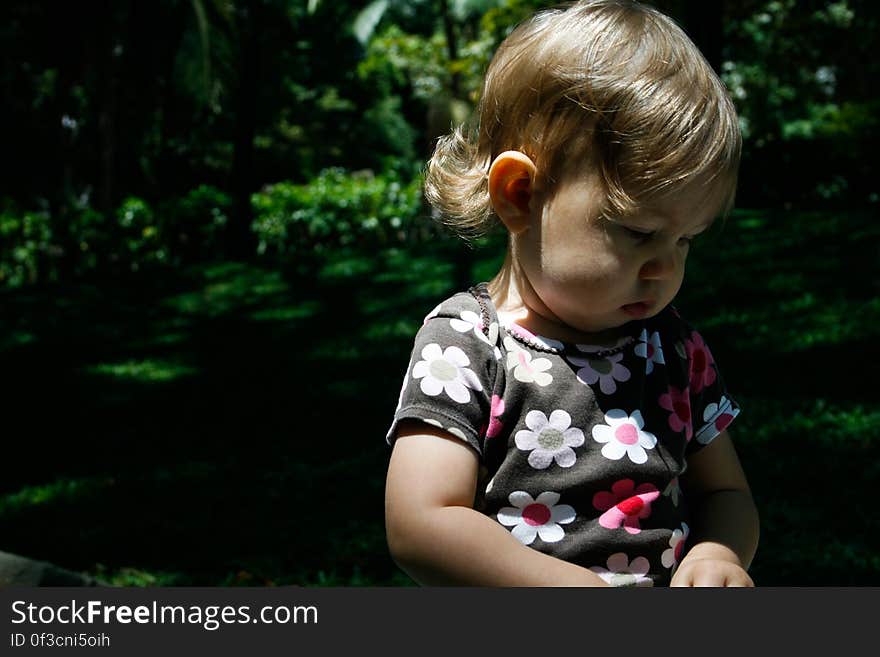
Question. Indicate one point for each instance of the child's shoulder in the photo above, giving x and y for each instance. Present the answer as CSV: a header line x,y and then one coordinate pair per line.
x,y
466,321
472,305
673,328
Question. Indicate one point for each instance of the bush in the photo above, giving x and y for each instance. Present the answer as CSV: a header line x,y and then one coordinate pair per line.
x,y
338,208
24,246
141,240
194,224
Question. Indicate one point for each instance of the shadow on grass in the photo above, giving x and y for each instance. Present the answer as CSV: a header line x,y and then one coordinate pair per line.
x,y
224,425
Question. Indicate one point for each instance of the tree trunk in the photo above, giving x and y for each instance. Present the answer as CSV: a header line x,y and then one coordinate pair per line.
x,y
109,58
241,242
465,261
61,184
451,46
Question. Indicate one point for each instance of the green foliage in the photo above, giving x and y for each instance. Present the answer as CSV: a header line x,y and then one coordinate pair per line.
x,y
184,230
339,85
783,328
24,243
92,243
140,238
194,224
800,75
395,59
338,208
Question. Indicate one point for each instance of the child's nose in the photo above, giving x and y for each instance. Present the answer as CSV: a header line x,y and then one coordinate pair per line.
x,y
659,267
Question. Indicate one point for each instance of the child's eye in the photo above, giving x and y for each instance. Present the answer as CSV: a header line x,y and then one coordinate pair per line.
x,y
639,234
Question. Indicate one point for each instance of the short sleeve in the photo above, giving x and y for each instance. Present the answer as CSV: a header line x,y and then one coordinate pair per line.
x,y
712,407
451,373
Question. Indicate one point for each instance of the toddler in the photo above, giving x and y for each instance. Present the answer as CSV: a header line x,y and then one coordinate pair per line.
x,y
562,424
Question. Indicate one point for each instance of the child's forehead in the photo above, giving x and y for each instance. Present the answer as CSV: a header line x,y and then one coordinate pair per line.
x,y
699,190
696,202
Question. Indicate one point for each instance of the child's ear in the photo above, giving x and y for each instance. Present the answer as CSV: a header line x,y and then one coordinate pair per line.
x,y
511,186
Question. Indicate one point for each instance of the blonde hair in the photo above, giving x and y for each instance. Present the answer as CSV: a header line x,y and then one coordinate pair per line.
x,y
612,85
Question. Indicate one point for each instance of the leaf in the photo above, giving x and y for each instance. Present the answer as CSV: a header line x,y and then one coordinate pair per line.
x,y
462,9
367,20
313,6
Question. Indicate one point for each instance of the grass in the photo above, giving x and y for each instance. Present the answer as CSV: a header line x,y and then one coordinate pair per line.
x,y
224,425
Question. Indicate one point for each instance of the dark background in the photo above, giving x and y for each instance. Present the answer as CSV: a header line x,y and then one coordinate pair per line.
x,y
214,254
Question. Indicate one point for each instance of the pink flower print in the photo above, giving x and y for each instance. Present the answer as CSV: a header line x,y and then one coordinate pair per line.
x,y
625,504
716,417
607,371
526,368
722,412
496,410
722,421
679,403
624,434
701,365
539,517
650,349
672,557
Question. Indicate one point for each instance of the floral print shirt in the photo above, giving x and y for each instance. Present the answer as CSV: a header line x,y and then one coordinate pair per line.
x,y
580,446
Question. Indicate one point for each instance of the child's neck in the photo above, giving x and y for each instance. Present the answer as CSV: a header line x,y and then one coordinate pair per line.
x,y
508,290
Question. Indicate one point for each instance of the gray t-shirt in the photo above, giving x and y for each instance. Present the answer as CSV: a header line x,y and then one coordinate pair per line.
x,y
580,446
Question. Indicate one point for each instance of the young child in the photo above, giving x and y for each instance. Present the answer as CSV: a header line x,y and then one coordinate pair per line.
x,y
562,424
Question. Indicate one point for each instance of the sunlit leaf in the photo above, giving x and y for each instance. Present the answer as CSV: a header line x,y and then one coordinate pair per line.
x,y
367,20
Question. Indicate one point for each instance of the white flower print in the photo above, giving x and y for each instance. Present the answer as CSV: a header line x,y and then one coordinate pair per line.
x,y
525,368
432,314
536,517
455,431
650,349
446,371
549,439
621,572
458,433
672,556
717,416
606,370
623,434
471,321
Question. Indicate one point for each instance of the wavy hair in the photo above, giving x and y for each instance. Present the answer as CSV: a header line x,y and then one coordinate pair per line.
x,y
610,84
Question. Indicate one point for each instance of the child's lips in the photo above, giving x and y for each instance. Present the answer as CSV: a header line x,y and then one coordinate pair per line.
x,y
639,308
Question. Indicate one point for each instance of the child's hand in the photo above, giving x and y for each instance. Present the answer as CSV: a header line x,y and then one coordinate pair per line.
x,y
710,572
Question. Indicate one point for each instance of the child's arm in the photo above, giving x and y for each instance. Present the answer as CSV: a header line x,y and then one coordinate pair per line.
x,y
436,536
725,532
